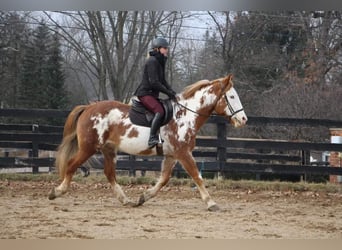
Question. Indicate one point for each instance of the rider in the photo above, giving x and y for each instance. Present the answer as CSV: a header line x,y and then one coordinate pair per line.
x,y
153,82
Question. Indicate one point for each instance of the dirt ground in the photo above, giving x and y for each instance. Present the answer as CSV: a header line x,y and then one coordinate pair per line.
x,y
89,211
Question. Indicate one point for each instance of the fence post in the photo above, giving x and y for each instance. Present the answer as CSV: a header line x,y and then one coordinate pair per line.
x,y
132,172
221,149
35,148
305,157
305,160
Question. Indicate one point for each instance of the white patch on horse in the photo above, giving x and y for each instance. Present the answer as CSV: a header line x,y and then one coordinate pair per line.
x,y
134,145
130,145
101,124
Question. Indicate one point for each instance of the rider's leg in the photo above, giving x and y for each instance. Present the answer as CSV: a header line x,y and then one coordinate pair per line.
x,y
152,104
156,123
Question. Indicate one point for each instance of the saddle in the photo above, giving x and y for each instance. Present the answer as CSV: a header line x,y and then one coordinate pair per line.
x,y
141,116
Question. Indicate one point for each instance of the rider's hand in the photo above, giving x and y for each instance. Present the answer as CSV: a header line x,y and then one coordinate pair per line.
x,y
172,95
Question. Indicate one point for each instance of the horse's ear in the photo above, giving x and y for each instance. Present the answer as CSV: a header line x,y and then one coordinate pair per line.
x,y
227,81
229,76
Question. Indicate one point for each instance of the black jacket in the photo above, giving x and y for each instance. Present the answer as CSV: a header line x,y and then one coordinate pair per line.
x,y
153,81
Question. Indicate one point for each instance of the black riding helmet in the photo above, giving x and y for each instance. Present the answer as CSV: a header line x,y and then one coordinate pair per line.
x,y
159,42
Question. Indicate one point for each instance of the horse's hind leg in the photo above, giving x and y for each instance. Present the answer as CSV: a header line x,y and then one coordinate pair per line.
x,y
73,164
190,166
166,170
109,153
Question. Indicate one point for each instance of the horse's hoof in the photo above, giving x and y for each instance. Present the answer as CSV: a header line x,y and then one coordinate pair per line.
x,y
129,204
214,208
52,194
140,201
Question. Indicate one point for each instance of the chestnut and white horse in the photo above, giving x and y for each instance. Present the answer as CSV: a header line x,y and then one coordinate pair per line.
x,y
105,126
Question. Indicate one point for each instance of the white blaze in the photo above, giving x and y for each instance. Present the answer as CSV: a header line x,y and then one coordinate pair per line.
x,y
236,105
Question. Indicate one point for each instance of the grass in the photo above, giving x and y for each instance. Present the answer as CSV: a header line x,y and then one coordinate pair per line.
x,y
225,184
276,186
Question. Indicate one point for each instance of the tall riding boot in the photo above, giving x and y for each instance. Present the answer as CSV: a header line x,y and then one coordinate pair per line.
x,y
156,123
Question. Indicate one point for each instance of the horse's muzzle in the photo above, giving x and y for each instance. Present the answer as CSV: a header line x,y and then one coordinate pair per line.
x,y
238,122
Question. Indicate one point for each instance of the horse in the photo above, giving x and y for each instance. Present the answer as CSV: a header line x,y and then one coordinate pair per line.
x,y
105,126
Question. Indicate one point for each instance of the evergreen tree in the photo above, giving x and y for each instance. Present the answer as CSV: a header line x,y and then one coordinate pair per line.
x,y
42,43
28,82
42,81
56,93
13,37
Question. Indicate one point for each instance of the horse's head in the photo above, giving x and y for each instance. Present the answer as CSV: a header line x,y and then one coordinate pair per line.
x,y
229,104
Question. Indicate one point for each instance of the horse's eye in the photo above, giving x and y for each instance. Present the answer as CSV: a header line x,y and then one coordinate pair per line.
x,y
231,97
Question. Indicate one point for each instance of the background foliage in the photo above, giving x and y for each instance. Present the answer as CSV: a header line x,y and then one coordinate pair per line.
x,y
285,63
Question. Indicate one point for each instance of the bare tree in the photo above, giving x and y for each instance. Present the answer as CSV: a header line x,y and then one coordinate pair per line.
x,y
171,31
289,63
224,28
114,43
322,58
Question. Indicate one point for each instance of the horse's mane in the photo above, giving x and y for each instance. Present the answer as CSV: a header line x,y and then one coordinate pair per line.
x,y
190,90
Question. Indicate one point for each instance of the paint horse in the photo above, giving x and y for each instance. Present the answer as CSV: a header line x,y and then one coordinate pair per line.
x,y
105,126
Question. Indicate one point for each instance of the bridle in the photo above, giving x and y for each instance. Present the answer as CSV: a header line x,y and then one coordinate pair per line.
x,y
213,115
230,107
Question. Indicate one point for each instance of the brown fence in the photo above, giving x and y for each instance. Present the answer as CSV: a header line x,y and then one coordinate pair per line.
x,y
219,154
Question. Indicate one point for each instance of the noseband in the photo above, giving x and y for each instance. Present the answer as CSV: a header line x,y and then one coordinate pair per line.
x,y
231,108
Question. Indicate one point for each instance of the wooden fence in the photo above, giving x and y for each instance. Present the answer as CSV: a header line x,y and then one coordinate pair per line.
x,y
219,155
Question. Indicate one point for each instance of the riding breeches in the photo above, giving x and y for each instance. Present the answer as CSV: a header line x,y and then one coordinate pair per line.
x,y
152,104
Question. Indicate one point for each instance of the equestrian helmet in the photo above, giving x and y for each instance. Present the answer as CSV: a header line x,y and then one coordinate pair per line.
x,y
159,42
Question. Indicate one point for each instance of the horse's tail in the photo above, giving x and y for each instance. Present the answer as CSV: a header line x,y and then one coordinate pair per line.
x,y
69,146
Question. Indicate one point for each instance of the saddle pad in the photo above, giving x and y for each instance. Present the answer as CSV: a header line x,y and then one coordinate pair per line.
x,y
141,119
139,115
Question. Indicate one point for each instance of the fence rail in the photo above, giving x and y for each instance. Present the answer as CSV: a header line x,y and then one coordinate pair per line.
x,y
220,154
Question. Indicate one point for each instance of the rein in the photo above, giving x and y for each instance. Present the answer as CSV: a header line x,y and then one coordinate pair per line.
x,y
195,112
213,115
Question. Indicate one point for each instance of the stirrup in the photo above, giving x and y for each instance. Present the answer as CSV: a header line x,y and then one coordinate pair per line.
x,y
160,140
153,141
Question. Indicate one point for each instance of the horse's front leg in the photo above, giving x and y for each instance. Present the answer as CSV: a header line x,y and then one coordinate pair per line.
x,y
189,164
167,166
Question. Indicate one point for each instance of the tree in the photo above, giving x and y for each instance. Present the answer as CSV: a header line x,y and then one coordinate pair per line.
x,y
42,79
321,60
112,45
29,82
185,68
13,37
57,96
290,63
210,62
257,46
